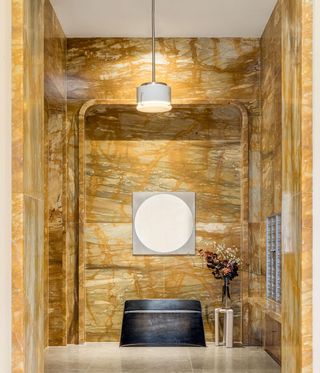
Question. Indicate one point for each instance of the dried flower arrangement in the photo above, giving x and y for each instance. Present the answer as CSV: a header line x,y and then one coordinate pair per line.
x,y
224,262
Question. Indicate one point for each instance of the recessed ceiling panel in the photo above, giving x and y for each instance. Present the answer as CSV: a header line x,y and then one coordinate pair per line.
x,y
174,18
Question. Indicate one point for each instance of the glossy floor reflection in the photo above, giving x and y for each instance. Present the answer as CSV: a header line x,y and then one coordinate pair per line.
x,y
109,358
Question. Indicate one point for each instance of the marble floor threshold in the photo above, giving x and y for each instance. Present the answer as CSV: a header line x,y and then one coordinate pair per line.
x,y
110,358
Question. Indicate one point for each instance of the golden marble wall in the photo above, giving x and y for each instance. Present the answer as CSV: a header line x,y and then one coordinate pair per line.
x,y
251,257
297,185
189,149
199,71
72,228
270,193
55,127
286,182
28,231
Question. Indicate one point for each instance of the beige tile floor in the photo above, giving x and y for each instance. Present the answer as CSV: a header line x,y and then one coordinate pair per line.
x,y
109,358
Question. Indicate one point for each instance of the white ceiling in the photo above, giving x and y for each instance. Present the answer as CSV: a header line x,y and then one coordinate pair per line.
x,y
174,18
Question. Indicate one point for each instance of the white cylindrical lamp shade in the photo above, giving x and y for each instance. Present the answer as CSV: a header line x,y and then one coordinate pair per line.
x,y
154,98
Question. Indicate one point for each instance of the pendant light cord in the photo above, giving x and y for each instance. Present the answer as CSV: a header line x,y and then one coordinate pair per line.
x,y
153,42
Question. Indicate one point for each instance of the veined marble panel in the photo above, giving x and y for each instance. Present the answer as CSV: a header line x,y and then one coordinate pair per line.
x,y
18,300
18,282
265,174
56,205
28,186
200,71
188,149
202,68
72,309
56,202
72,217
34,283
297,184
147,166
55,44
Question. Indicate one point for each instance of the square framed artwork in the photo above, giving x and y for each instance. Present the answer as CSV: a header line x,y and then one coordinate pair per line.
x,y
163,223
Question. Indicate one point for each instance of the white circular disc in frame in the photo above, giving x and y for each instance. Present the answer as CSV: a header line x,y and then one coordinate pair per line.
x,y
164,223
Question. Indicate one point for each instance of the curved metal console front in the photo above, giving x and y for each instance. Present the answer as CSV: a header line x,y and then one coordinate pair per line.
x,y
162,322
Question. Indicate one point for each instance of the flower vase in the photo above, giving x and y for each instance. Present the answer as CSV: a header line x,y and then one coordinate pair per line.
x,y
226,299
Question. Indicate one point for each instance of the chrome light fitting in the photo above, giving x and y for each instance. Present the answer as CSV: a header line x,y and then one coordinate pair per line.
x,y
153,97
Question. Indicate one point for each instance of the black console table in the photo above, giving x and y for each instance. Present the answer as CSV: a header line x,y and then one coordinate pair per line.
x,y
162,322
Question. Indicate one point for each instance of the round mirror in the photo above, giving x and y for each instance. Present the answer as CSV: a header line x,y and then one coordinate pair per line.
x,y
163,223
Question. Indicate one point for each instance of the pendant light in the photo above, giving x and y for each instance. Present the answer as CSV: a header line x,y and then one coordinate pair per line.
x,y
153,97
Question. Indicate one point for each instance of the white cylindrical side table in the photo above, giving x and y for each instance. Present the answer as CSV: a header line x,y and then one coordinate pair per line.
x,y
227,326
